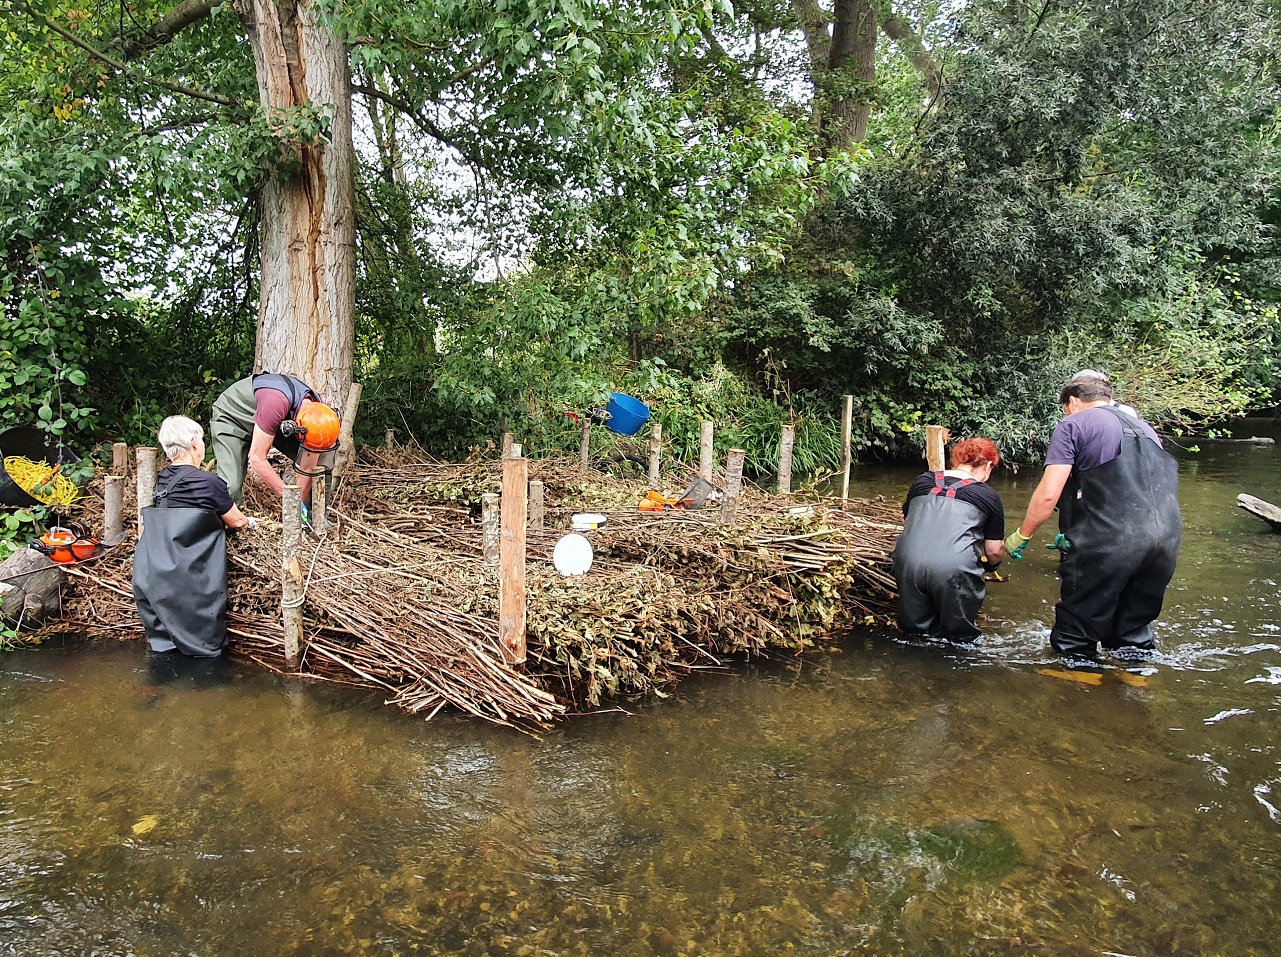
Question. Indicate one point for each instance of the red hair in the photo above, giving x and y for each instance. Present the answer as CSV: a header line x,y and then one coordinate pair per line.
x,y
974,452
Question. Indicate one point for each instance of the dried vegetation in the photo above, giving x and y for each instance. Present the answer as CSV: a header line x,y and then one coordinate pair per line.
x,y
398,597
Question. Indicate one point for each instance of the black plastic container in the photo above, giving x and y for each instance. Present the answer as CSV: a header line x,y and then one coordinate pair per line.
x,y
33,444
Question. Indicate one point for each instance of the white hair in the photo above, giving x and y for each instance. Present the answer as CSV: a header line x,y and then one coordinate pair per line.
x,y
177,433
1094,374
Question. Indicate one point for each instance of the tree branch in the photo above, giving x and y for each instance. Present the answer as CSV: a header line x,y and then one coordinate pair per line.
x,y
183,15
909,44
420,121
814,22
115,64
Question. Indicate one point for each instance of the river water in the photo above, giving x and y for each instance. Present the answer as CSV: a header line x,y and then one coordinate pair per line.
x,y
881,798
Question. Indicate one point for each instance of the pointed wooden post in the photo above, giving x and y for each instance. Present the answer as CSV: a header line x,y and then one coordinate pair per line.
x,y
291,590
785,443
145,466
935,443
585,441
733,485
847,430
389,439
119,458
536,511
706,460
319,505
655,454
113,496
489,536
511,589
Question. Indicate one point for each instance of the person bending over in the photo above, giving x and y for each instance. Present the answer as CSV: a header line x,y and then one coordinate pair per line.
x,y
953,532
264,411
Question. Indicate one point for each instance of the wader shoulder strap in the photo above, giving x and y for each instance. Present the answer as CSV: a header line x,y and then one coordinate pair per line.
x,y
295,388
1129,424
942,488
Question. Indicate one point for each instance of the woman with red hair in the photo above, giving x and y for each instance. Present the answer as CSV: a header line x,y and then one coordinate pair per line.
x,y
953,532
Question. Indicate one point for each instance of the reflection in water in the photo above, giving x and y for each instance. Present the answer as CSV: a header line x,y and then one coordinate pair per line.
x,y
888,799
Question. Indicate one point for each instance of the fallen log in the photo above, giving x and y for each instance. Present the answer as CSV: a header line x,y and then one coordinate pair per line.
x,y
30,588
1264,510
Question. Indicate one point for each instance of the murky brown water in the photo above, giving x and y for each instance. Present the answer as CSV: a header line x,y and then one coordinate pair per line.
x,y
890,799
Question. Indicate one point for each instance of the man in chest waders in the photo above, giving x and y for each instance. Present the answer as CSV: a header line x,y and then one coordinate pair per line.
x,y
269,410
1116,490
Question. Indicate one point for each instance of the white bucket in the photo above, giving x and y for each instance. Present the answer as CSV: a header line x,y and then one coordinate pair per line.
x,y
586,521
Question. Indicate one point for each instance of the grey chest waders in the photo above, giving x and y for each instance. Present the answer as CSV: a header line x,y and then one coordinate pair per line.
x,y
937,564
180,579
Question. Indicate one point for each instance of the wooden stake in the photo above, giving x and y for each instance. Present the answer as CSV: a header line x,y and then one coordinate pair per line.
x,y
935,442
511,589
389,439
785,444
346,450
733,485
655,453
706,453
505,444
536,513
145,466
319,511
847,430
113,494
119,458
489,527
585,442
291,588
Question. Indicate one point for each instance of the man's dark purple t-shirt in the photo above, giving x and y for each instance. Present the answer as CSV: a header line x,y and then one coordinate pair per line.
x,y
273,409
1090,438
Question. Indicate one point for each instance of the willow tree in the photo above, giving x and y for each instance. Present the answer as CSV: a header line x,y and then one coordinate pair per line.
x,y
528,96
300,141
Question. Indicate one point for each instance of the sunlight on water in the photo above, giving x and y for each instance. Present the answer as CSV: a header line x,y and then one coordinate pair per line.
x,y
890,798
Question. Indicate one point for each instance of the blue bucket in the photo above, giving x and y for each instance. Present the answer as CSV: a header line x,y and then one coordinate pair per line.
x,y
626,415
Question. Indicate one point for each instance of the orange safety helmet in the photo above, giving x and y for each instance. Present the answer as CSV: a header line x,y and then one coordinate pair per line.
x,y
317,426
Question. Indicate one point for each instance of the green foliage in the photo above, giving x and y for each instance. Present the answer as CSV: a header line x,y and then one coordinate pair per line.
x,y
50,286
562,199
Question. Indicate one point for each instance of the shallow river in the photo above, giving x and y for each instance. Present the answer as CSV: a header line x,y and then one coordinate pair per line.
x,y
881,799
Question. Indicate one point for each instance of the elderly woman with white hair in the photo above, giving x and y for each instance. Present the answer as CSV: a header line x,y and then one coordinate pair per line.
x,y
180,565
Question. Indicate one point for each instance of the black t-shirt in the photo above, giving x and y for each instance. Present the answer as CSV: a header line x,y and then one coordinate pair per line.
x,y
978,494
190,487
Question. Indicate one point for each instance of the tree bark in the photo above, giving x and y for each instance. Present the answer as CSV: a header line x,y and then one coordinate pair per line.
x,y
30,588
851,73
307,219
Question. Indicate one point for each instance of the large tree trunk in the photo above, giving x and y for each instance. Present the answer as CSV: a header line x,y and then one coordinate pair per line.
x,y
851,73
842,56
308,261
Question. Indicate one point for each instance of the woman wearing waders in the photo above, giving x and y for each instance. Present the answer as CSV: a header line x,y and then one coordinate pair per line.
x,y
1117,492
180,564
953,533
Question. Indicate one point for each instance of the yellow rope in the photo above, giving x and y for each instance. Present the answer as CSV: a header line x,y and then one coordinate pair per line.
x,y
40,481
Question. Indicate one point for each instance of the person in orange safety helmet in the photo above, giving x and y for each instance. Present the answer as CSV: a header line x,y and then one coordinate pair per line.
x,y
271,410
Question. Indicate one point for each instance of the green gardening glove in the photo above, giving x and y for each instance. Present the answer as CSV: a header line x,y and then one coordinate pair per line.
x,y
1015,544
1060,542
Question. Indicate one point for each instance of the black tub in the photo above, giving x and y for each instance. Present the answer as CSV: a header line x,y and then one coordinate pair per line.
x,y
33,444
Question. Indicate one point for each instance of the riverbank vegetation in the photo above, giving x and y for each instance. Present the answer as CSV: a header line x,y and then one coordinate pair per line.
x,y
734,212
